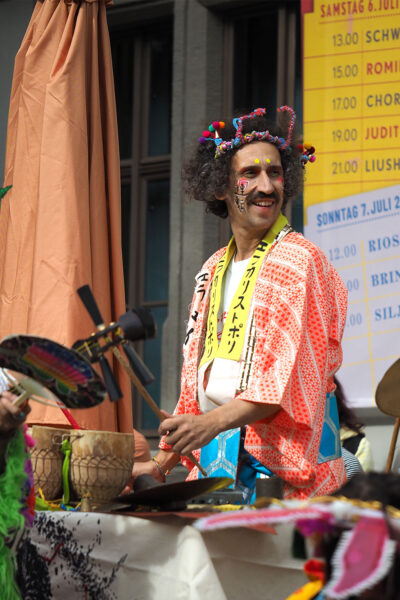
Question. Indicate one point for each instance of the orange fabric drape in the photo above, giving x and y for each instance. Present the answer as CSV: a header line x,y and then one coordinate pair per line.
x,y
60,222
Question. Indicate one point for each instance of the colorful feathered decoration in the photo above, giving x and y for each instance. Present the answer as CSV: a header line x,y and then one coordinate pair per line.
x,y
363,556
16,508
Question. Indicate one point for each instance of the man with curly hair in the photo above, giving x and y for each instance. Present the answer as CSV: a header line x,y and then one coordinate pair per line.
x,y
264,335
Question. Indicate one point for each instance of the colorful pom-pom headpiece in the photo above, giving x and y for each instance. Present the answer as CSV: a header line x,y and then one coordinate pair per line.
x,y
212,134
306,154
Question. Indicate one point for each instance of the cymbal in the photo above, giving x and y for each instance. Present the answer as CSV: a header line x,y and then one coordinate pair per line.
x,y
387,393
166,494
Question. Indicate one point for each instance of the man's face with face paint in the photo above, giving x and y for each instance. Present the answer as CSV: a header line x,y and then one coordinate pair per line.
x,y
256,196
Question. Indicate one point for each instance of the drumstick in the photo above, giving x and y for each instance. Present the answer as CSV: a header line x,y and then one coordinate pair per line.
x,y
151,403
25,395
86,295
392,446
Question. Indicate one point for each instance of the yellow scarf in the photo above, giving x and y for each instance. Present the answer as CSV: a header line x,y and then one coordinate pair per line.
x,y
234,331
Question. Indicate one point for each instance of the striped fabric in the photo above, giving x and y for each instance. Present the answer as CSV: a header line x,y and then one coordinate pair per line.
x,y
300,309
3,381
351,464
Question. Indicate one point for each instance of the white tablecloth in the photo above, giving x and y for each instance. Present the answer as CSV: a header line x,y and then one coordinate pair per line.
x,y
113,557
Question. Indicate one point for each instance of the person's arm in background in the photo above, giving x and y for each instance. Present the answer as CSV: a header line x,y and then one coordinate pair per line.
x,y
364,454
158,467
11,418
145,465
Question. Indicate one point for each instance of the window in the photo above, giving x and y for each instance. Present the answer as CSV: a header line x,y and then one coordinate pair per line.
x,y
255,61
142,62
229,55
263,64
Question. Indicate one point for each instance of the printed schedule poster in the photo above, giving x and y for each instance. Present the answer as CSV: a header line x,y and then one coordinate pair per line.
x,y
351,115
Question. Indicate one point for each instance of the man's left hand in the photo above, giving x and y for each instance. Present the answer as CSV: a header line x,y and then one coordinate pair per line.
x,y
11,415
186,433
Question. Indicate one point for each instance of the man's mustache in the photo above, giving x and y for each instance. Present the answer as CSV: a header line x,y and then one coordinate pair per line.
x,y
260,196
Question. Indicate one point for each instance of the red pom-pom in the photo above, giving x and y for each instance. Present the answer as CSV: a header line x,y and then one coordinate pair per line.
x,y
311,150
206,133
215,124
315,569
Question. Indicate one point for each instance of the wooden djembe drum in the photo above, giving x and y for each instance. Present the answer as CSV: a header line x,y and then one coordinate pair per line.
x,y
47,460
101,464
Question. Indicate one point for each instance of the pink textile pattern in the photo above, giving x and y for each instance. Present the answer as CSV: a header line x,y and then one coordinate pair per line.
x,y
262,516
364,554
355,569
300,309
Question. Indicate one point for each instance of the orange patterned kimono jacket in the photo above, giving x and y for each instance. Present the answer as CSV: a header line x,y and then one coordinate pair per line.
x,y
300,310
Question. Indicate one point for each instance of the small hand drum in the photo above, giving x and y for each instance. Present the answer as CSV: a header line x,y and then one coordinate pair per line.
x,y
387,398
55,374
47,460
101,463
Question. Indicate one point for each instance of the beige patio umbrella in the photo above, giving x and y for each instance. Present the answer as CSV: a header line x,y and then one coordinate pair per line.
x,y
60,221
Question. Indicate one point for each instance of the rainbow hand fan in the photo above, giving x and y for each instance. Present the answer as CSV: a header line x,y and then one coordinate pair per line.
x,y
54,374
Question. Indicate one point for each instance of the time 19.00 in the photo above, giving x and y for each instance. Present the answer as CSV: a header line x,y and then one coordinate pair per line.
x,y
344,135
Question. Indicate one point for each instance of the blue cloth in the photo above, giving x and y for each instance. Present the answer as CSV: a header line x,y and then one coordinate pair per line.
x,y
220,456
250,469
330,446
225,455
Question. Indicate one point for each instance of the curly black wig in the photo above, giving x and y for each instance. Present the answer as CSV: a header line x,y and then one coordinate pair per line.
x,y
206,177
